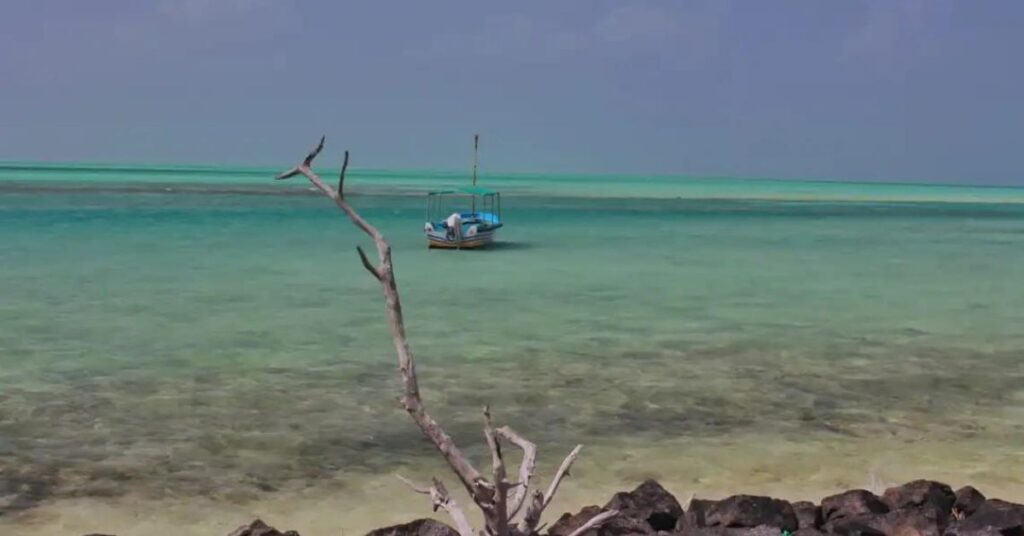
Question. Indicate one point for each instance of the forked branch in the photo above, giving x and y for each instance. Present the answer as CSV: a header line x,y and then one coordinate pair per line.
x,y
384,273
440,498
498,520
525,469
498,508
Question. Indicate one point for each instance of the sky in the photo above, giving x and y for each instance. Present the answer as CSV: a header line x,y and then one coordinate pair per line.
x,y
888,90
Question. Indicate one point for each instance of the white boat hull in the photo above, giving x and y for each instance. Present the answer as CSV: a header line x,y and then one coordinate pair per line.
x,y
441,239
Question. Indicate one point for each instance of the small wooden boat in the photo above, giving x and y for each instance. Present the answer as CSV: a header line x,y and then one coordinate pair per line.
x,y
451,226
474,228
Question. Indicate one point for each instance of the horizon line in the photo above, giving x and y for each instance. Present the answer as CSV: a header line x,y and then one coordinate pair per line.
x,y
253,169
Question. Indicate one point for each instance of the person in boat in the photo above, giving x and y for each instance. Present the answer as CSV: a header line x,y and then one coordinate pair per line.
x,y
454,226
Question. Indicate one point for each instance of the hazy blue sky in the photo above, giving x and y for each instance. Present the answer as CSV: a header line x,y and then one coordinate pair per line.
x,y
879,90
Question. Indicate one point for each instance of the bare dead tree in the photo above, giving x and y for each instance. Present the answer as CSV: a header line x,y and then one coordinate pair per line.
x,y
500,501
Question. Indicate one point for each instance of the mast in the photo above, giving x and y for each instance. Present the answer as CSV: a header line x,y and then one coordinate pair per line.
x,y
476,149
476,160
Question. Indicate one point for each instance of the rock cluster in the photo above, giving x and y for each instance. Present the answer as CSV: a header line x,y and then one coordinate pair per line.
x,y
259,528
919,508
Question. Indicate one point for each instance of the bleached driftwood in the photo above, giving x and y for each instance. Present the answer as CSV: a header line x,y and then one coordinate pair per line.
x,y
501,511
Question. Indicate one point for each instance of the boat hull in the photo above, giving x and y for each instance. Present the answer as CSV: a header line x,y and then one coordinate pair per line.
x,y
441,240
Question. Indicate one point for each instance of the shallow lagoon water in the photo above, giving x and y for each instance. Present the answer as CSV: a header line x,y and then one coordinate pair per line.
x,y
176,357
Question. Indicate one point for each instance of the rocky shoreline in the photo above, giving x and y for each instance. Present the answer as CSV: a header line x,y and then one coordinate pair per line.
x,y
918,508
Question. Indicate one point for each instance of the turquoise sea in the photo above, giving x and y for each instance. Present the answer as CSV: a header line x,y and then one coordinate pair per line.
x,y
182,348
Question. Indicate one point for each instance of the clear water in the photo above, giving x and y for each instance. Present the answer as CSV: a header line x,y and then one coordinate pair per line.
x,y
183,348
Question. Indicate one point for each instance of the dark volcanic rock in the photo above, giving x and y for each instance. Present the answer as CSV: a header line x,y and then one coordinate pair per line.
x,y
924,521
918,494
617,526
851,504
420,527
808,515
749,511
968,500
649,503
259,528
695,512
993,516
568,523
622,526
954,531
731,531
864,525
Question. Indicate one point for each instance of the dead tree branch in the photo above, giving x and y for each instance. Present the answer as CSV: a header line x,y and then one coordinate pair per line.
x,y
526,469
499,515
440,498
384,273
492,498
594,522
563,471
540,501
